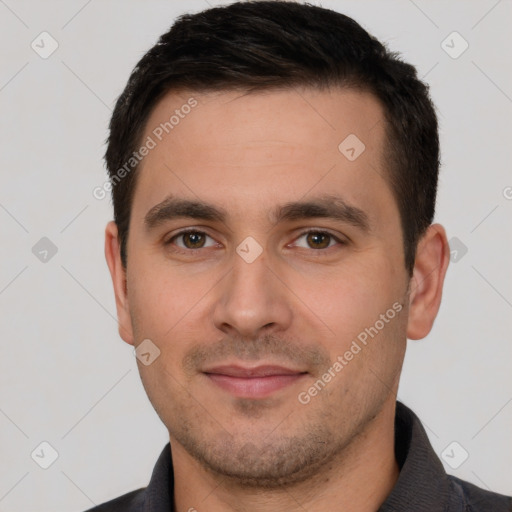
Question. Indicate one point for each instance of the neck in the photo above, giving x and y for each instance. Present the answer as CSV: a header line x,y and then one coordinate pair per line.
x,y
359,479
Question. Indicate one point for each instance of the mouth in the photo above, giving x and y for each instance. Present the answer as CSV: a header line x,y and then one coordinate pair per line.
x,y
256,382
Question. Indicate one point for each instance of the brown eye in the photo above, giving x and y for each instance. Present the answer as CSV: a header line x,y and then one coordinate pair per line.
x,y
319,239
190,240
193,239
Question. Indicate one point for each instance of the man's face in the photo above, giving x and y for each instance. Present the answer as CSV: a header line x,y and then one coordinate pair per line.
x,y
251,291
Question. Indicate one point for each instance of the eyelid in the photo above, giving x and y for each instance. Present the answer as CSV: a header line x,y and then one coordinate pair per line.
x,y
340,239
185,231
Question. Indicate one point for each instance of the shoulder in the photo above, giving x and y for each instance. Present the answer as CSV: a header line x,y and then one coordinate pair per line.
x,y
130,502
476,499
158,491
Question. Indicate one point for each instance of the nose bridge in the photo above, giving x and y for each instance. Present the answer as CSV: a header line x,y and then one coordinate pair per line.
x,y
252,297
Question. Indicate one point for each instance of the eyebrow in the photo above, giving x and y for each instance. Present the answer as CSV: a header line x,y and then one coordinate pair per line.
x,y
327,206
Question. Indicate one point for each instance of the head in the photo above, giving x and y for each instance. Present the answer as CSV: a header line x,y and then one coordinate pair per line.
x,y
252,124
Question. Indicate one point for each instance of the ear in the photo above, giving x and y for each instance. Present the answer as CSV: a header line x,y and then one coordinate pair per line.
x,y
118,274
430,266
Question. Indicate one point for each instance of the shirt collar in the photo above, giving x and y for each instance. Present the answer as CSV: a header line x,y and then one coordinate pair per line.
x,y
422,485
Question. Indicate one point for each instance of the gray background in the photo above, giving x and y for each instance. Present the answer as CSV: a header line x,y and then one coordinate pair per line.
x,y
65,375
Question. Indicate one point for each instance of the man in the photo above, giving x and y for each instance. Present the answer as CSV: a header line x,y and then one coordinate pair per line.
x,y
274,172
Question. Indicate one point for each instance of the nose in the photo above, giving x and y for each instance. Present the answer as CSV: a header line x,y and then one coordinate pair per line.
x,y
252,299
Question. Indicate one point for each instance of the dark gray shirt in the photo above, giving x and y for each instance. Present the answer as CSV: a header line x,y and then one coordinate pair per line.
x,y
422,486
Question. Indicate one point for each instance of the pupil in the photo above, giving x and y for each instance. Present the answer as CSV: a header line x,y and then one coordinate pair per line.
x,y
316,236
193,236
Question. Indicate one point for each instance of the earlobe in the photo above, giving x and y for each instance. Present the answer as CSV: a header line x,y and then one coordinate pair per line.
x,y
431,264
118,275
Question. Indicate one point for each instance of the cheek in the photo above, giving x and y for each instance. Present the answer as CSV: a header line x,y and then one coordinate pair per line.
x,y
347,299
156,304
170,307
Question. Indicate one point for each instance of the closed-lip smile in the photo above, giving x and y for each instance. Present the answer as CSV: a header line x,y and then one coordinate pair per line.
x,y
253,382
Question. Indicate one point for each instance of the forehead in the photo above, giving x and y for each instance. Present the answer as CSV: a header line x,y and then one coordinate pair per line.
x,y
243,148
280,118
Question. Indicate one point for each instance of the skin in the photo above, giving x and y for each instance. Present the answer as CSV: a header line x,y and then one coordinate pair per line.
x,y
300,303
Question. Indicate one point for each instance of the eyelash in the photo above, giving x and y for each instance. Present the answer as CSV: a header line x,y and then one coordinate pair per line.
x,y
197,231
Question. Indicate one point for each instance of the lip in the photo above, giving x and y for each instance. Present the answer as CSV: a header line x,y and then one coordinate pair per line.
x,y
256,382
